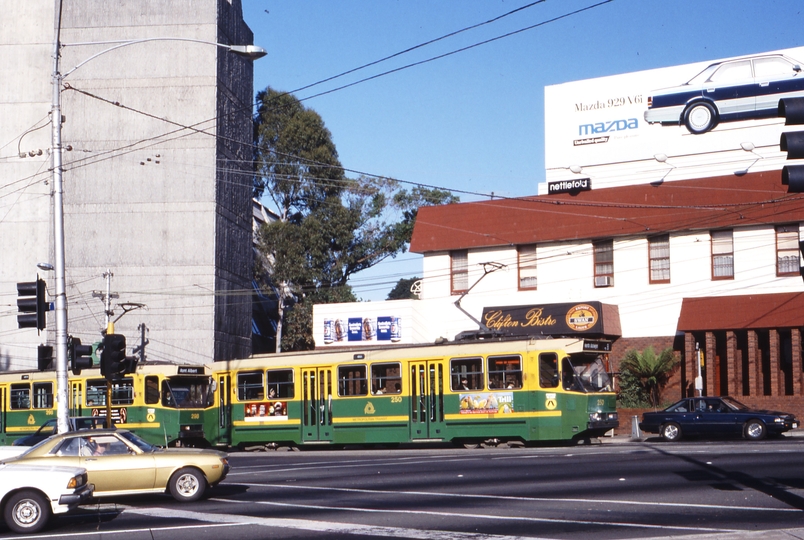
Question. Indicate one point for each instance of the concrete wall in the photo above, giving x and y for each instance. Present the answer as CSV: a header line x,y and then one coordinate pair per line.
x,y
155,184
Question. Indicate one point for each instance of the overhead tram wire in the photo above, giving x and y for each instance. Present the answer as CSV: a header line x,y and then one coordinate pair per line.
x,y
419,46
456,51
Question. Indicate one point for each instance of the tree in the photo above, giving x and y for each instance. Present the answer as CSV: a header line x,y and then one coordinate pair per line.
x,y
647,370
329,226
401,290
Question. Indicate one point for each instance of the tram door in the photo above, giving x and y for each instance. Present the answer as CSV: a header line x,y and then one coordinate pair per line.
x,y
316,404
3,416
427,400
224,409
76,398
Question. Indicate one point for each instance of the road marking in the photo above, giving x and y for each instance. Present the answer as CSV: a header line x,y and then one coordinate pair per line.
x,y
489,517
319,526
515,498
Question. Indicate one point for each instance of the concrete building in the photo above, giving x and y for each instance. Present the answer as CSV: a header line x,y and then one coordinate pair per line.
x,y
157,188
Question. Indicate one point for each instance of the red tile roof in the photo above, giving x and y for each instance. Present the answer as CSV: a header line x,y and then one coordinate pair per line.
x,y
750,311
680,205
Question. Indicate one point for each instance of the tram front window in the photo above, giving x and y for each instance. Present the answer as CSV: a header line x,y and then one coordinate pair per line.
x,y
585,373
188,392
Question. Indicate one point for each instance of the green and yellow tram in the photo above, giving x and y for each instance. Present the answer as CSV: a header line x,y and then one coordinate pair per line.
x,y
524,390
163,403
466,393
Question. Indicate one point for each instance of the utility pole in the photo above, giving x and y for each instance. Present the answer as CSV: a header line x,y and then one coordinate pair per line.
x,y
107,299
143,342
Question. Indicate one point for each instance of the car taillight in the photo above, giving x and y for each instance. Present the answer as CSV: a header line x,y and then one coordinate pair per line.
x,y
650,102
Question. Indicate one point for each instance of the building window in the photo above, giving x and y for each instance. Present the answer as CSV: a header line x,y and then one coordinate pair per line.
x,y
659,253
722,255
459,271
787,257
604,263
527,267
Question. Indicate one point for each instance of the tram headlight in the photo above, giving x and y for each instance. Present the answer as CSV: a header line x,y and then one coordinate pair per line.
x,y
603,417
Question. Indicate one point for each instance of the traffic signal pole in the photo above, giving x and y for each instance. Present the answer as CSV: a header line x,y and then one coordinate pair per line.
x,y
109,331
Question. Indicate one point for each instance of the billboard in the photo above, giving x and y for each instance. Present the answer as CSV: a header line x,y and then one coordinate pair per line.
x,y
343,330
689,121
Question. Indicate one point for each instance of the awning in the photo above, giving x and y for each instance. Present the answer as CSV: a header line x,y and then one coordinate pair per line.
x,y
743,312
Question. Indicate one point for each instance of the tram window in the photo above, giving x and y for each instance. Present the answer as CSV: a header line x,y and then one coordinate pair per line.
x,y
151,390
122,392
96,392
250,386
548,370
21,396
386,378
43,395
280,383
505,372
352,381
466,373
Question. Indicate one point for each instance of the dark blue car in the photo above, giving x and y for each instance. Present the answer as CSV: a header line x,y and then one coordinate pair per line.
x,y
715,417
737,89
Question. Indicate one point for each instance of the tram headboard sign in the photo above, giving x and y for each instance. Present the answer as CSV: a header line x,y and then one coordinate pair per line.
x,y
586,318
191,370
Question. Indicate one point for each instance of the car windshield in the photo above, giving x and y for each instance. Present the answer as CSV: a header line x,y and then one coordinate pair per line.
x,y
588,373
734,404
136,441
704,75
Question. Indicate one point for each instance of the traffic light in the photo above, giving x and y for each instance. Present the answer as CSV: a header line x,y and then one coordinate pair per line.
x,y
44,356
32,304
113,357
79,356
792,142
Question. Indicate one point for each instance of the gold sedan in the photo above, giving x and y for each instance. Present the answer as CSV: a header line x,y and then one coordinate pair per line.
x,y
120,463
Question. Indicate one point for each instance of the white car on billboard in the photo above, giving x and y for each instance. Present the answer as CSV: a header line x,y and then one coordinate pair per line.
x,y
737,89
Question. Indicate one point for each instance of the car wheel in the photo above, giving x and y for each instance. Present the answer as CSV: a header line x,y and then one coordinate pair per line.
x,y
755,430
27,512
700,117
187,485
671,432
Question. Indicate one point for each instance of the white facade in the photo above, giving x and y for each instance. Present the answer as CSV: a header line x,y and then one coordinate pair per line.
x,y
565,274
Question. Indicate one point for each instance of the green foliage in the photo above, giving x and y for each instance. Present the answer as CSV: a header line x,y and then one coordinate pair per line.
x,y
644,375
330,226
631,394
401,290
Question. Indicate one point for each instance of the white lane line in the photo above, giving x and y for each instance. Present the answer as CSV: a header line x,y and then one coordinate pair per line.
x,y
515,498
321,526
306,467
489,517
96,533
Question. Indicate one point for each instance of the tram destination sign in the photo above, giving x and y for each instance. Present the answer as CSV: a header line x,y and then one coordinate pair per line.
x,y
582,318
191,370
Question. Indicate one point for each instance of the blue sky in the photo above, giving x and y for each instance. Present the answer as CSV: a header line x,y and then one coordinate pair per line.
x,y
473,121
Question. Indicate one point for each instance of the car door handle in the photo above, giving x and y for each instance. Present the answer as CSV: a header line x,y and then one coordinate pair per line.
x,y
91,459
763,84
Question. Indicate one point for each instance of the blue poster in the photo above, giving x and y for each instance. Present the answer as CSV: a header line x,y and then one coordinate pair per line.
x,y
384,328
355,330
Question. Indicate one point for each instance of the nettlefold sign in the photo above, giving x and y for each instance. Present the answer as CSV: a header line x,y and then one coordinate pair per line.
x,y
569,186
553,319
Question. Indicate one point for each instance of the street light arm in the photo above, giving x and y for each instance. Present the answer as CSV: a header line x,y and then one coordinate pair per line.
x,y
252,52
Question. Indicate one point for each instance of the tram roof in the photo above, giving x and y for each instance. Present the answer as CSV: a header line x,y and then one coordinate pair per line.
x,y
407,352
